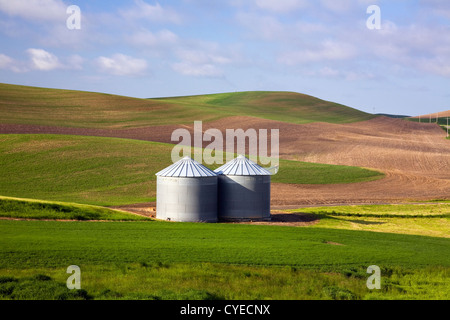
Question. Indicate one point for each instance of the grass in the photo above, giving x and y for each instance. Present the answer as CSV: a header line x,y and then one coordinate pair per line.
x,y
56,244
68,108
419,219
37,287
206,281
282,106
33,209
90,170
295,172
390,210
170,261
112,171
167,260
437,201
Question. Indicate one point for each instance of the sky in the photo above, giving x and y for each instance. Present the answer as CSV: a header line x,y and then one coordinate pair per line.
x,y
330,49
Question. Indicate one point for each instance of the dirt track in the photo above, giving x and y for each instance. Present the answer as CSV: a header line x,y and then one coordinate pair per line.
x,y
414,156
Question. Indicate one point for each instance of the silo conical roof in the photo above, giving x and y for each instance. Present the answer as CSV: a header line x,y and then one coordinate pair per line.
x,y
186,168
241,166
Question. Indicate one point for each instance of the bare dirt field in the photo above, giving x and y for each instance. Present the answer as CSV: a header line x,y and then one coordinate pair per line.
x,y
434,115
415,157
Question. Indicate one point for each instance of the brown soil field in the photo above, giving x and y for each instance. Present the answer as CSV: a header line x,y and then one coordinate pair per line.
x,y
442,114
415,157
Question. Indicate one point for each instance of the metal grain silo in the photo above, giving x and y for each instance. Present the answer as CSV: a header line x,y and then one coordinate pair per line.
x,y
244,191
186,191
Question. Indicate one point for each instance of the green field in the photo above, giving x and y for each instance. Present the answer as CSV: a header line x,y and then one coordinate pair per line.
x,y
420,219
111,171
33,209
289,107
55,244
68,108
167,260
170,260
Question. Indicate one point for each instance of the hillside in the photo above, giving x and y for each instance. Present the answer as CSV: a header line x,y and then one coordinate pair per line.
x,y
284,106
68,108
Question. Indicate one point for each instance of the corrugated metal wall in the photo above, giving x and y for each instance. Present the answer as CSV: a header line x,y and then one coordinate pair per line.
x,y
187,199
244,197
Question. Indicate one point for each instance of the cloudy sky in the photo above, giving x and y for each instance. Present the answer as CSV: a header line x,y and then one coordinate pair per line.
x,y
146,48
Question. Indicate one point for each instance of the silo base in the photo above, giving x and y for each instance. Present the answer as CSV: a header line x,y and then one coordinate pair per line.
x,y
245,219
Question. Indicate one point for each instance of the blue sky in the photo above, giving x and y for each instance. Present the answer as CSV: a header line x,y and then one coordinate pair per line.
x,y
145,48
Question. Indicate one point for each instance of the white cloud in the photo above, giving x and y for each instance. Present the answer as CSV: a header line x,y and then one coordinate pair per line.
x,y
5,61
8,63
262,27
420,48
121,65
36,10
439,7
199,56
267,27
146,38
151,13
197,70
326,51
341,73
344,6
339,6
272,6
281,6
205,59
43,60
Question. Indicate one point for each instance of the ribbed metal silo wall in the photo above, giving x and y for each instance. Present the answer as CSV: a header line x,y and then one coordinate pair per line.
x,y
186,199
244,197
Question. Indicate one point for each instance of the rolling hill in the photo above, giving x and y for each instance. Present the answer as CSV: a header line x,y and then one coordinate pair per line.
x,y
68,108
413,156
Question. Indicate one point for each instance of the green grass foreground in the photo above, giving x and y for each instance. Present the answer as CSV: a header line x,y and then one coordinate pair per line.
x,y
167,260
112,171
207,281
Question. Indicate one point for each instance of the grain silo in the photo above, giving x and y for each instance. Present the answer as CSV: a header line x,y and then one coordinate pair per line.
x,y
186,191
244,191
